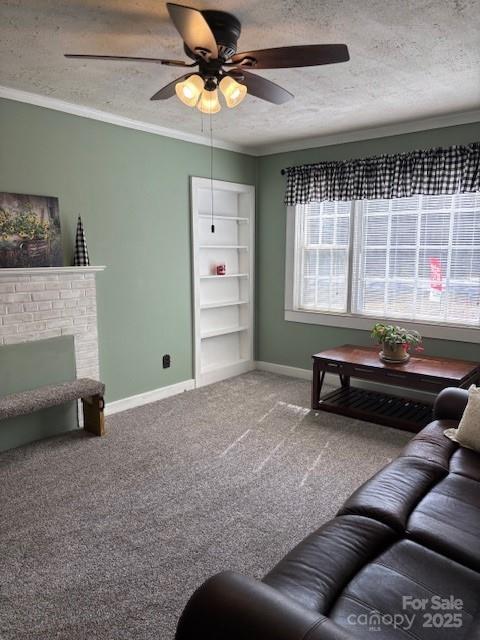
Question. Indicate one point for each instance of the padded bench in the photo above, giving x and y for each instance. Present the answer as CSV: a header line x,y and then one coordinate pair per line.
x,y
90,392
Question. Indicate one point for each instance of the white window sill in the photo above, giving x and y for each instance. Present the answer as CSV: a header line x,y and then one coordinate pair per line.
x,y
350,321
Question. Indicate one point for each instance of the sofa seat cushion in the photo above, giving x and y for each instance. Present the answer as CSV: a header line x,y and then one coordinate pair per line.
x,y
316,571
408,570
392,494
448,520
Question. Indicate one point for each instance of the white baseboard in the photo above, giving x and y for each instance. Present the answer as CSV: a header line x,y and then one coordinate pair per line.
x,y
332,379
284,370
148,396
225,372
186,385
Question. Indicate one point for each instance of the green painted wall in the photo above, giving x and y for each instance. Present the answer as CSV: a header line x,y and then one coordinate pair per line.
x,y
292,343
132,190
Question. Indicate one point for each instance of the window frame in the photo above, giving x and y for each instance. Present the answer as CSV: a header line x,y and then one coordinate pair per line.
x,y
349,320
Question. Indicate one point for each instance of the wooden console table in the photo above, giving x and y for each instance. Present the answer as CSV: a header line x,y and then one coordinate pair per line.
x,y
424,373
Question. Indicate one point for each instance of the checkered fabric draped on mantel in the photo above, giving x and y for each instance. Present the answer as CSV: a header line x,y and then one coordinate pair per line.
x,y
80,256
431,172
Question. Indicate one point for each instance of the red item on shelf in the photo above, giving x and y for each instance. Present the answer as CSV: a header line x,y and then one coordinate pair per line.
x,y
221,269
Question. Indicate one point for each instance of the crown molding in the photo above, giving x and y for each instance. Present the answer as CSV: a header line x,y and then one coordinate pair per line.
x,y
104,116
385,131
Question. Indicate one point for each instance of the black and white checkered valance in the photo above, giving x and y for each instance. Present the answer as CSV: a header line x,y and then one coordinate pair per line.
x,y
432,172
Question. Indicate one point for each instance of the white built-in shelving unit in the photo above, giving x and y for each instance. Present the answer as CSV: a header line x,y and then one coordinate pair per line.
x,y
223,304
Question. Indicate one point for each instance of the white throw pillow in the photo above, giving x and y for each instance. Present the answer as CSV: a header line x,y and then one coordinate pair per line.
x,y
468,432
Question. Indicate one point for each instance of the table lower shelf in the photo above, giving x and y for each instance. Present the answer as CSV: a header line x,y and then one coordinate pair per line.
x,y
382,408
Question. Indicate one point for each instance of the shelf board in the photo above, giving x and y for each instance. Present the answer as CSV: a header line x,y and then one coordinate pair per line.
x,y
207,216
227,275
226,303
224,246
222,332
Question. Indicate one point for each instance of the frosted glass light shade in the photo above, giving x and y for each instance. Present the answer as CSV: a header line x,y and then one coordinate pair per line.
x,y
189,90
209,102
233,91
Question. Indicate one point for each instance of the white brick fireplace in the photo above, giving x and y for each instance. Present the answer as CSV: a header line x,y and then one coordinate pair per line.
x,y
48,302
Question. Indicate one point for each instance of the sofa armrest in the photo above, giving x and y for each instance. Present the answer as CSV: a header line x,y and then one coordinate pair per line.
x,y
234,607
450,404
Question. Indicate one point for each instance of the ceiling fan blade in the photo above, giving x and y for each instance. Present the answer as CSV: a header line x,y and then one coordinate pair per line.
x,y
261,87
168,91
287,57
170,63
194,29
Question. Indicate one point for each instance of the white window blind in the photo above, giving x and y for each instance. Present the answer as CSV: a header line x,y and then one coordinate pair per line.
x,y
323,232
413,258
418,259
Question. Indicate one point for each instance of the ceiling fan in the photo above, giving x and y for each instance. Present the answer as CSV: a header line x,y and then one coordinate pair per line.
x,y
210,40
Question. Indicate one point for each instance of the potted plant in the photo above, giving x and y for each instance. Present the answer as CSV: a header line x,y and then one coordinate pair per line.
x,y
396,341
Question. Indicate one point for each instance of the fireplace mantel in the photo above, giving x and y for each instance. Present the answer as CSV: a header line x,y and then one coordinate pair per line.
x,y
34,271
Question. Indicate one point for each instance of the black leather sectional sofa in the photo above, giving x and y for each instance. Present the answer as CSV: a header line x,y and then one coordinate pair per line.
x,y
400,560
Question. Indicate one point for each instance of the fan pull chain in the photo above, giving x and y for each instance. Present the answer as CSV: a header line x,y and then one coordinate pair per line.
x,y
212,228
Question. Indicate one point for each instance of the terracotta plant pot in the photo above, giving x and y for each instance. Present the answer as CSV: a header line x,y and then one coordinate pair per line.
x,y
394,352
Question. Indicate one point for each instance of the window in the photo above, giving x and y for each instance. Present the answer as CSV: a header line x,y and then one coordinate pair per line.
x,y
414,259
323,254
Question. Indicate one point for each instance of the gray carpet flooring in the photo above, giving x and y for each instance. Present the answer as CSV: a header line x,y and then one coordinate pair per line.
x,y
107,538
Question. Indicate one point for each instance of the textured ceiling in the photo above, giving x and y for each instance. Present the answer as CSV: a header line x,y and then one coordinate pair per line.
x,y
410,59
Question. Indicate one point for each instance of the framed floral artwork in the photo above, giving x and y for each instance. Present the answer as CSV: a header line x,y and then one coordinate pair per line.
x,y
30,233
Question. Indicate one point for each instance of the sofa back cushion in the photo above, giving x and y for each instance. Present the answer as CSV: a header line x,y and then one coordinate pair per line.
x,y
317,570
392,494
448,520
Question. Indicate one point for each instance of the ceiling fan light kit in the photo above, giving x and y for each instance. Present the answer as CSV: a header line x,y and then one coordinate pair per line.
x,y
189,90
210,40
195,92
209,102
233,91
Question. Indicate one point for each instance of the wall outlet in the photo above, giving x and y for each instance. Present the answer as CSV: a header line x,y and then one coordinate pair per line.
x,y
166,361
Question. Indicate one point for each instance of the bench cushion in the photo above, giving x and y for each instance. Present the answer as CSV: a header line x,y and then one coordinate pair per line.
x,y
25,402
